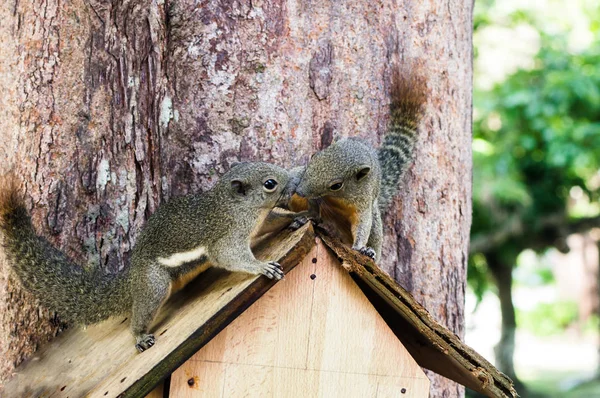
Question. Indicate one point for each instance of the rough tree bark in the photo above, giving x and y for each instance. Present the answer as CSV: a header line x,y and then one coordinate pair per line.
x,y
111,107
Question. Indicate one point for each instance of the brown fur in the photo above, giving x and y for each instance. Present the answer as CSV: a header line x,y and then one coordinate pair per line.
x,y
408,99
339,213
408,94
11,200
183,280
343,215
298,204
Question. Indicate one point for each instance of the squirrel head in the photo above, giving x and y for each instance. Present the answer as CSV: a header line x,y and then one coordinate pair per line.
x,y
258,184
342,169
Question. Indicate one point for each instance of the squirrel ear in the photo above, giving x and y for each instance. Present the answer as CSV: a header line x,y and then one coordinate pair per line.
x,y
362,172
235,164
238,187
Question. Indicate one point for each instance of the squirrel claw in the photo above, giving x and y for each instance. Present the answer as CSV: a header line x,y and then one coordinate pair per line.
x,y
273,270
144,342
367,251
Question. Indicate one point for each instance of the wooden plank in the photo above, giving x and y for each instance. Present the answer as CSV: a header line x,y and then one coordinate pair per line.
x,y
347,334
432,345
158,391
315,334
257,335
388,387
226,380
207,380
101,361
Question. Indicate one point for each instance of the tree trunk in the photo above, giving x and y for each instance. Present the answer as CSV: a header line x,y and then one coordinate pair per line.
x,y
110,107
505,349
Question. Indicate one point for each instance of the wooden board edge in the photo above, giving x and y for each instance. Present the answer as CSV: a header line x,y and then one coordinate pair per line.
x,y
428,349
478,373
218,322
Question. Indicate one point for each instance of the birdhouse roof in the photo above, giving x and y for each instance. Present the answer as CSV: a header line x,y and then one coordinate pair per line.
x,y
101,360
432,345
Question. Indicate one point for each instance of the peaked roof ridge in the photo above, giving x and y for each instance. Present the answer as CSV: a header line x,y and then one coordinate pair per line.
x,y
433,345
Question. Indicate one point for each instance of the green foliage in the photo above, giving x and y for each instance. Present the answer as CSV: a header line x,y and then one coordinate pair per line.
x,y
592,324
533,271
536,136
478,276
481,14
548,319
544,128
545,276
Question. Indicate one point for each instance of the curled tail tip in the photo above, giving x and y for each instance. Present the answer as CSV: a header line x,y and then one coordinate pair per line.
x,y
408,94
12,202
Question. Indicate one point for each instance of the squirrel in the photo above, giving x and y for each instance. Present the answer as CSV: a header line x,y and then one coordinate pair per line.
x,y
179,241
353,182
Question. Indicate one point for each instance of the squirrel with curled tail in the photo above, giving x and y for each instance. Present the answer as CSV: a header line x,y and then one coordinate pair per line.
x,y
180,240
353,182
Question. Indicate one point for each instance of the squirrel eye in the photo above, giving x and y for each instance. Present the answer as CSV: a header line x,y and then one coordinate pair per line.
x,y
270,185
336,186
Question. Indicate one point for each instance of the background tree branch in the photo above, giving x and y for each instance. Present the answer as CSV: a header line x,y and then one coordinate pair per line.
x,y
514,228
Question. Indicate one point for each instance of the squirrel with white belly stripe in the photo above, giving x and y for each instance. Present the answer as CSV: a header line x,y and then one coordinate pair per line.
x,y
180,240
351,180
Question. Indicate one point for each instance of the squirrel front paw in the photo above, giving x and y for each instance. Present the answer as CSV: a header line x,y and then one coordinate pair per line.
x,y
144,342
298,223
272,270
367,251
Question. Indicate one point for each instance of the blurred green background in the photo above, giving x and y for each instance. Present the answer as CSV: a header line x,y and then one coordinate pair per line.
x,y
533,299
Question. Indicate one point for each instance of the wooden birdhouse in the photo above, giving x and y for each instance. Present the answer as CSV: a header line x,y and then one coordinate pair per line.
x,y
313,335
336,326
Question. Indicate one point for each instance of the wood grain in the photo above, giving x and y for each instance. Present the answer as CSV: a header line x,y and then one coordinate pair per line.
x,y
219,380
314,335
101,361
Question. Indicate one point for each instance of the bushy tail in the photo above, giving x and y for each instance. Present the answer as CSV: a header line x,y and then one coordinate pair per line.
x,y
408,98
79,296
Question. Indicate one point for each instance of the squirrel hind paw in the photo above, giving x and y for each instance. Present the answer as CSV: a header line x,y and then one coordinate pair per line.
x,y
273,270
368,251
144,342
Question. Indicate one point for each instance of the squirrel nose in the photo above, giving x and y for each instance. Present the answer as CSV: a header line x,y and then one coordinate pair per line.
x,y
300,193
